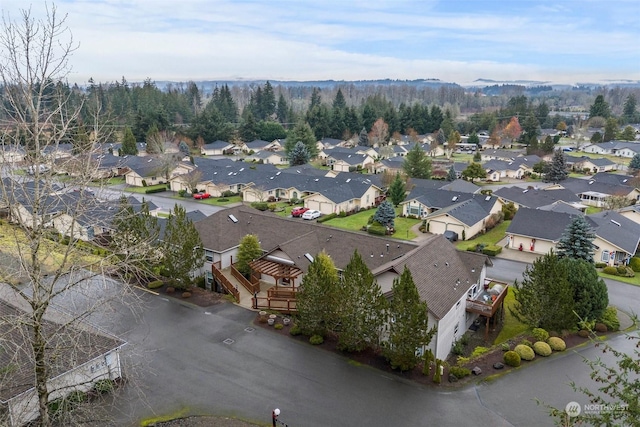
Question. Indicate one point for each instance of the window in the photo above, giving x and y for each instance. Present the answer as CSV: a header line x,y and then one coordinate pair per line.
x,y
208,277
455,331
208,255
473,291
605,256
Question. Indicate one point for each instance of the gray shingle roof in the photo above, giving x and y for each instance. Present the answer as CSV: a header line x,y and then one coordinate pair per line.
x,y
617,229
539,224
536,198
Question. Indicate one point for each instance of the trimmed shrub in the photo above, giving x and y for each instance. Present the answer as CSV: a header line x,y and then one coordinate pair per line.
x,y
278,326
492,250
461,360
458,348
634,263
525,352
377,229
540,334
155,190
155,284
186,294
610,270
583,333
527,343
557,344
621,269
626,272
511,358
542,348
602,264
479,351
261,206
610,318
459,372
295,330
316,339
326,217
601,327
505,346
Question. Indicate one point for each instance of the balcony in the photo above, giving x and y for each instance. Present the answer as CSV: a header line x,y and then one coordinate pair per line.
x,y
487,302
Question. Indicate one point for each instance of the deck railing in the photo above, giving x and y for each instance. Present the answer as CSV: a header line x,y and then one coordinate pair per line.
x,y
230,287
252,286
283,305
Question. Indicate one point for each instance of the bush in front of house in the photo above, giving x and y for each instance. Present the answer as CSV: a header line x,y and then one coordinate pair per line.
x,y
557,344
479,351
634,263
326,217
377,229
459,372
316,339
610,270
601,264
261,206
540,334
525,352
610,318
511,358
278,326
295,330
542,348
601,327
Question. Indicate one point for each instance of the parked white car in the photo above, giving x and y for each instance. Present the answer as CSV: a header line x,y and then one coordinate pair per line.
x,y
311,214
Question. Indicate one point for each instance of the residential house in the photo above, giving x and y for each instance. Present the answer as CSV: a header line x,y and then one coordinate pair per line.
x,y
72,370
596,192
217,148
538,231
538,198
12,153
501,154
268,157
348,162
444,276
513,169
259,145
594,165
468,217
146,171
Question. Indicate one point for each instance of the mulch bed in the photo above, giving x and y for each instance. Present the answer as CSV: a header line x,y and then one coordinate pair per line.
x,y
377,360
198,296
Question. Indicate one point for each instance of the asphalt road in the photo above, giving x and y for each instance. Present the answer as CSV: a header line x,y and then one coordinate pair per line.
x,y
180,360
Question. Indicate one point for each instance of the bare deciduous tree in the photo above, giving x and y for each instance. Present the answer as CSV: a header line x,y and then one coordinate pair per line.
x,y
45,261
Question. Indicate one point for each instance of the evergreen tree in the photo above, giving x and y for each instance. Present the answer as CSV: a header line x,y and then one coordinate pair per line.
x,y
316,100
610,129
544,297
451,174
339,101
299,155
249,250
440,138
599,108
596,137
477,157
385,214
577,240
629,108
184,148
557,169
628,134
129,146
530,130
318,297
363,138
409,327
548,145
268,102
397,190
417,164
248,130
634,164
301,132
181,247
590,293
282,110
362,309
270,131
474,139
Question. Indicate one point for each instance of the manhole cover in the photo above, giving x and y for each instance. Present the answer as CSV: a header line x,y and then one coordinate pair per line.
x,y
228,341
249,329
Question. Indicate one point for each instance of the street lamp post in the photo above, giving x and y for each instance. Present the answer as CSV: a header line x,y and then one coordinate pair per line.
x,y
274,418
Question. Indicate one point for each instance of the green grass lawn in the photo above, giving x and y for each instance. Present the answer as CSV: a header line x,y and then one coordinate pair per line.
x,y
511,326
357,221
491,237
630,280
216,200
593,209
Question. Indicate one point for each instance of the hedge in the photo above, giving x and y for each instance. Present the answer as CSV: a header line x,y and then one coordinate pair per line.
x,y
511,358
610,270
155,190
634,263
492,250
326,217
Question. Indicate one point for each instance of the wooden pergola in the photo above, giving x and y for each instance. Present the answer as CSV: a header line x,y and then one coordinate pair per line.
x,y
276,270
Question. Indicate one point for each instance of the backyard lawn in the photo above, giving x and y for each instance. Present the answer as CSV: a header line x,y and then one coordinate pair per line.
x,y
491,237
143,190
511,326
357,221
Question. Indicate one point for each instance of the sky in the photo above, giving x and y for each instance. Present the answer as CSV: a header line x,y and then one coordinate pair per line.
x,y
556,41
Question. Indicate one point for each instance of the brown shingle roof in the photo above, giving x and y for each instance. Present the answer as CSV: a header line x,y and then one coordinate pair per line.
x,y
67,348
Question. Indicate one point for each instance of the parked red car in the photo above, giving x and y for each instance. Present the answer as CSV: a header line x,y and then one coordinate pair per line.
x,y
297,212
201,195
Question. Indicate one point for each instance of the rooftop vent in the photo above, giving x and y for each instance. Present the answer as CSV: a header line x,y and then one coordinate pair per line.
x,y
278,173
454,198
525,190
487,198
591,182
233,218
308,256
615,222
240,170
348,179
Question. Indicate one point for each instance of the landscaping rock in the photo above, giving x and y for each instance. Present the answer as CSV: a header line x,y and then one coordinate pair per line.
x,y
453,378
498,365
476,371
